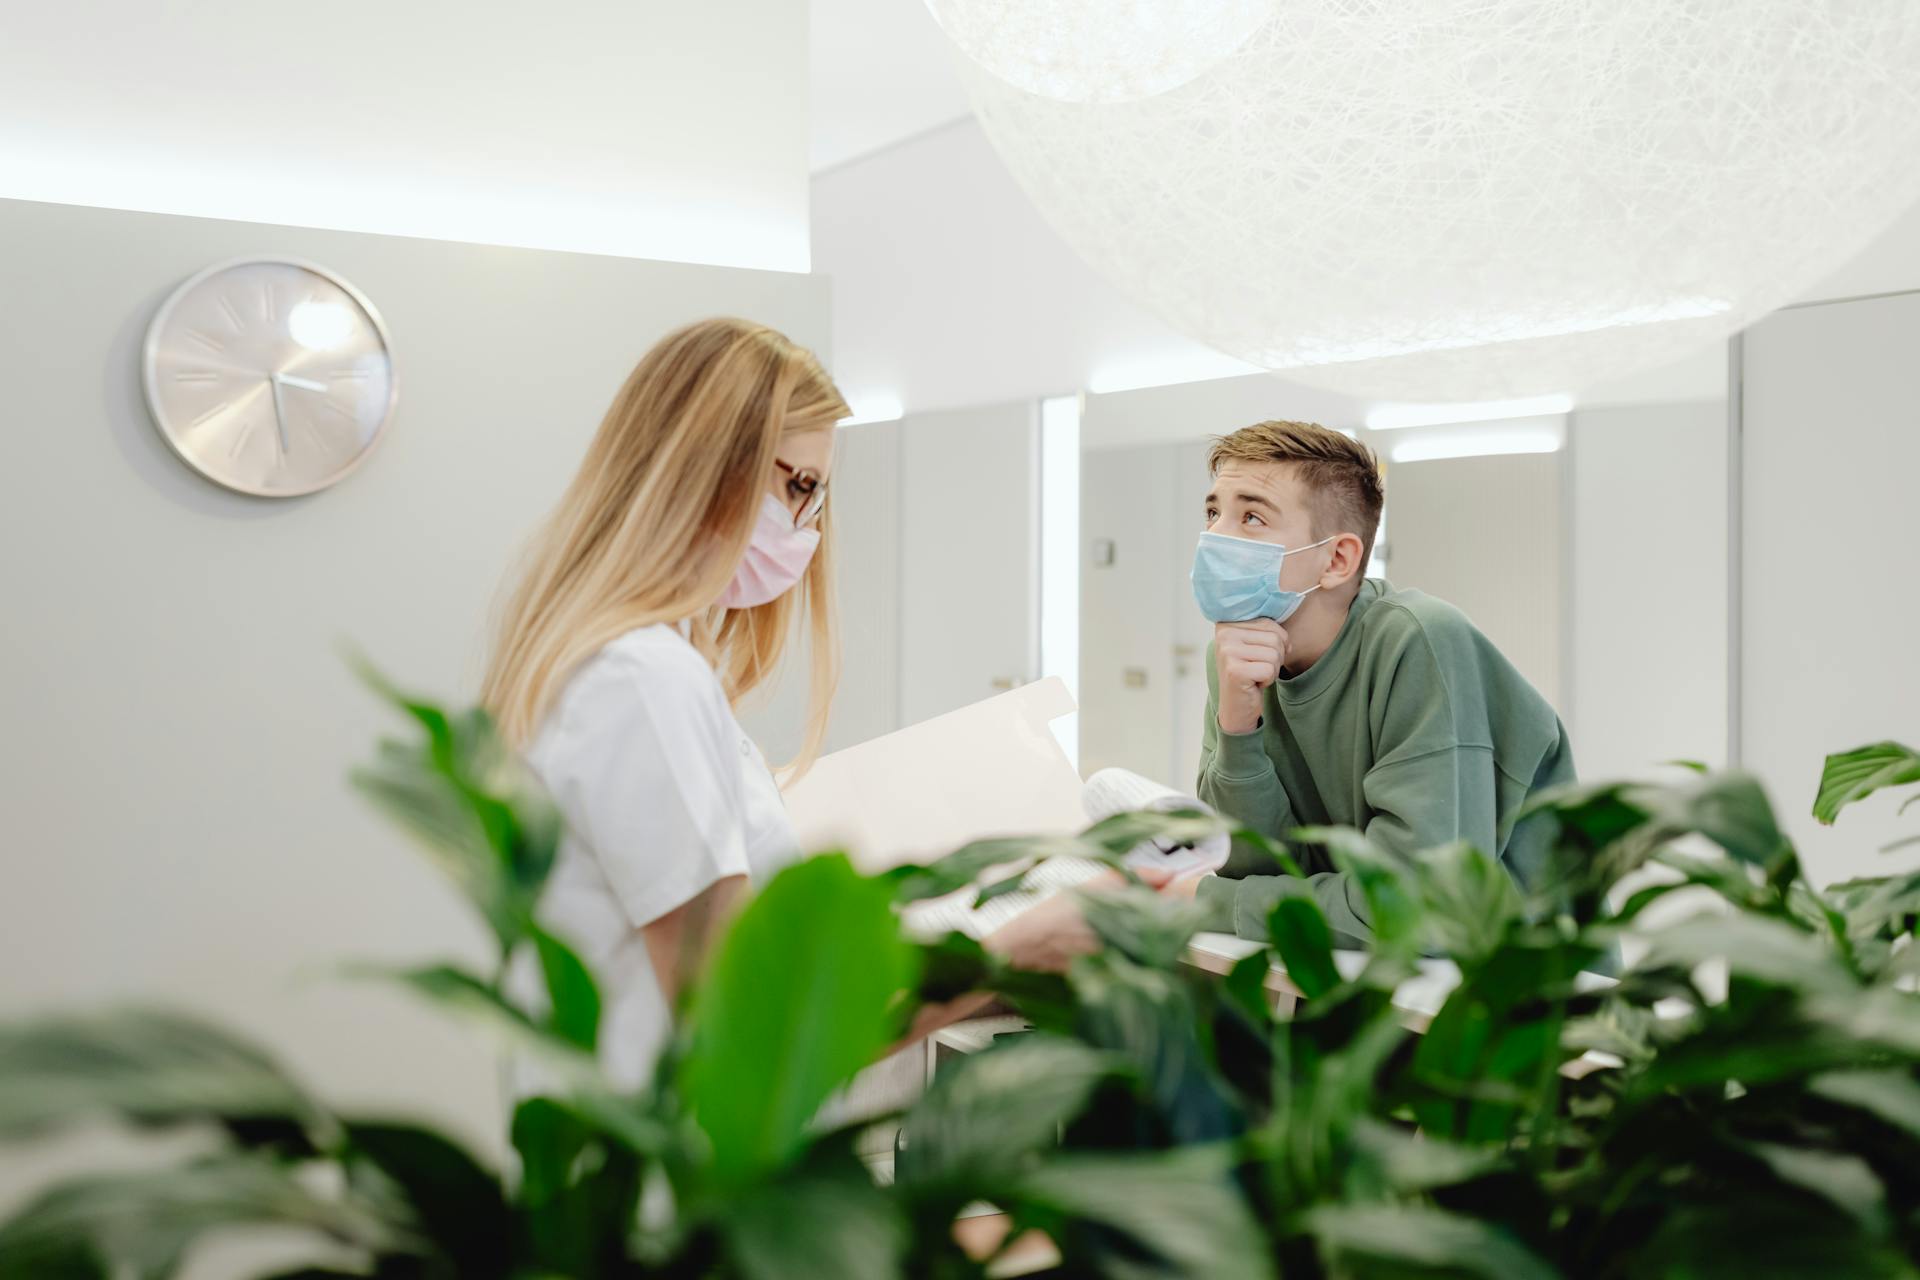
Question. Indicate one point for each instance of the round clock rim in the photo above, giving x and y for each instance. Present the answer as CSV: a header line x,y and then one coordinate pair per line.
x,y
150,373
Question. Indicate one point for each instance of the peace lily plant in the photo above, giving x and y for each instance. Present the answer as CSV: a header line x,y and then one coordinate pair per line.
x,y
1157,1121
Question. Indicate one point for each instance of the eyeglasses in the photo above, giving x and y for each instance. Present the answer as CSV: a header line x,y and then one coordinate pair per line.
x,y
808,490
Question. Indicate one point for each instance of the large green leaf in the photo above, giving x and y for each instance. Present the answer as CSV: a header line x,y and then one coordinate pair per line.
x,y
1179,1213
146,1067
1305,943
986,1115
1359,1237
797,1001
140,1224
1854,775
573,998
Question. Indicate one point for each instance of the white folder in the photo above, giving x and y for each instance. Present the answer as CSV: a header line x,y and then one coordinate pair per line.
x,y
991,769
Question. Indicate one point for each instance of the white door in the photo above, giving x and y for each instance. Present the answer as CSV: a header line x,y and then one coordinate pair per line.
x,y
1126,636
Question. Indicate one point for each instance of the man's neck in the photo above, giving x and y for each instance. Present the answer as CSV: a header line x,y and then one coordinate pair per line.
x,y
1312,631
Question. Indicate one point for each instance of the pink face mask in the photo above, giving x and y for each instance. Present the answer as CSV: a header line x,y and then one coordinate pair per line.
x,y
775,559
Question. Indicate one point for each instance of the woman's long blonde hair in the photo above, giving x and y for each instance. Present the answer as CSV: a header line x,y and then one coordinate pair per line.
x,y
659,515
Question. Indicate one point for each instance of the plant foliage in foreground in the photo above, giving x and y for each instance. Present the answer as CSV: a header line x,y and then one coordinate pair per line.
x,y
1742,1102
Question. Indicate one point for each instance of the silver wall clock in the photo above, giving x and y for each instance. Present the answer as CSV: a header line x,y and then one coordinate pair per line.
x,y
270,376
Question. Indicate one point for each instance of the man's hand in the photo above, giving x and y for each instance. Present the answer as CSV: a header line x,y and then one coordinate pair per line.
x,y
1248,657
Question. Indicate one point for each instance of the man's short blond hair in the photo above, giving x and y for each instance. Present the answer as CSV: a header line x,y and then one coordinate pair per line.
x,y
1345,490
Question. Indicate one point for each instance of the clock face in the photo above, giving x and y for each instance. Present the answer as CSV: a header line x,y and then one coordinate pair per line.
x,y
271,377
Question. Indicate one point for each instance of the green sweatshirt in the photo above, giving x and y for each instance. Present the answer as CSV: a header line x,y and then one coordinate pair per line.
x,y
1413,728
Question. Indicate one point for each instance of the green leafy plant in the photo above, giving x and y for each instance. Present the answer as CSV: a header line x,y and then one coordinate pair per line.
x,y
1744,1099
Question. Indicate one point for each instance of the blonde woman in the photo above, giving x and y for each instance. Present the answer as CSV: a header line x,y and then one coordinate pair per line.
x,y
660,593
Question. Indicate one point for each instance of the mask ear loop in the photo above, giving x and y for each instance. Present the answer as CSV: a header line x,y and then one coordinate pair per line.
x,y
1310,546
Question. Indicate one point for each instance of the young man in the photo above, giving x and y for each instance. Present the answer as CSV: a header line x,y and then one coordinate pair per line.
x,y
1337,699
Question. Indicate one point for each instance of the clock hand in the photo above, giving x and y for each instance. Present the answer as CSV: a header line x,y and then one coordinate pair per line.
x,y
279,418
305,384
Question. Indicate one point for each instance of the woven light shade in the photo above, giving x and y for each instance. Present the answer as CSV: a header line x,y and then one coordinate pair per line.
x,y
1469,199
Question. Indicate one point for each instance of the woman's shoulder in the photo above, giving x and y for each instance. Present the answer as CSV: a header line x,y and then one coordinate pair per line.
x,y
650,673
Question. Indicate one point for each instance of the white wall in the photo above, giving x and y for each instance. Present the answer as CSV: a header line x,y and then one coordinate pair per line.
x,y
882,72
1484,534
1649,557
865,502
969,539
666,131
1830,616
179,720
950,290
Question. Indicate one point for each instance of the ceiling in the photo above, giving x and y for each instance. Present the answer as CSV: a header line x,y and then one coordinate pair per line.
x,y
881,73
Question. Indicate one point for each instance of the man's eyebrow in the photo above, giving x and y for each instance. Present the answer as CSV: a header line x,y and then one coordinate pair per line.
x,y
1251,499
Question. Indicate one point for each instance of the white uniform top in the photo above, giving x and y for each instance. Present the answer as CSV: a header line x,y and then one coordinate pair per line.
x,y
663,794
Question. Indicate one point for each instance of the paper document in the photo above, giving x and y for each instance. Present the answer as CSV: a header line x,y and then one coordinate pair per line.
x,y
914,795
991,769
1112,791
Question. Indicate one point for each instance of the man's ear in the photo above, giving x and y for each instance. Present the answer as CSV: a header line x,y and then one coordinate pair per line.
x,y
1348,560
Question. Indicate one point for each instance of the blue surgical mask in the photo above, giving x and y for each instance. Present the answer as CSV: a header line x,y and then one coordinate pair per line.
x,y
1238,579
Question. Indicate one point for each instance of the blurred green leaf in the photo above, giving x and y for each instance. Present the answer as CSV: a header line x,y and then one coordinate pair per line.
x,y
951,966
1180,1213
1498,1036
827,1225
1409,1236
798,1000
1406,1162
1149,1018
1846,1182
149,1068
1893,1096
484,1008
457,1205
1106,842
1763,1236
579,1190
1145,926
470,801
1305,943
1386,879
141,1223
573,999
1470,901
1246,986
1754,947
987,1114
1854,775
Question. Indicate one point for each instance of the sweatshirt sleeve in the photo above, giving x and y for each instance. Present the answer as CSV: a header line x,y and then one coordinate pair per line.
x,y
1239,781
1236,777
